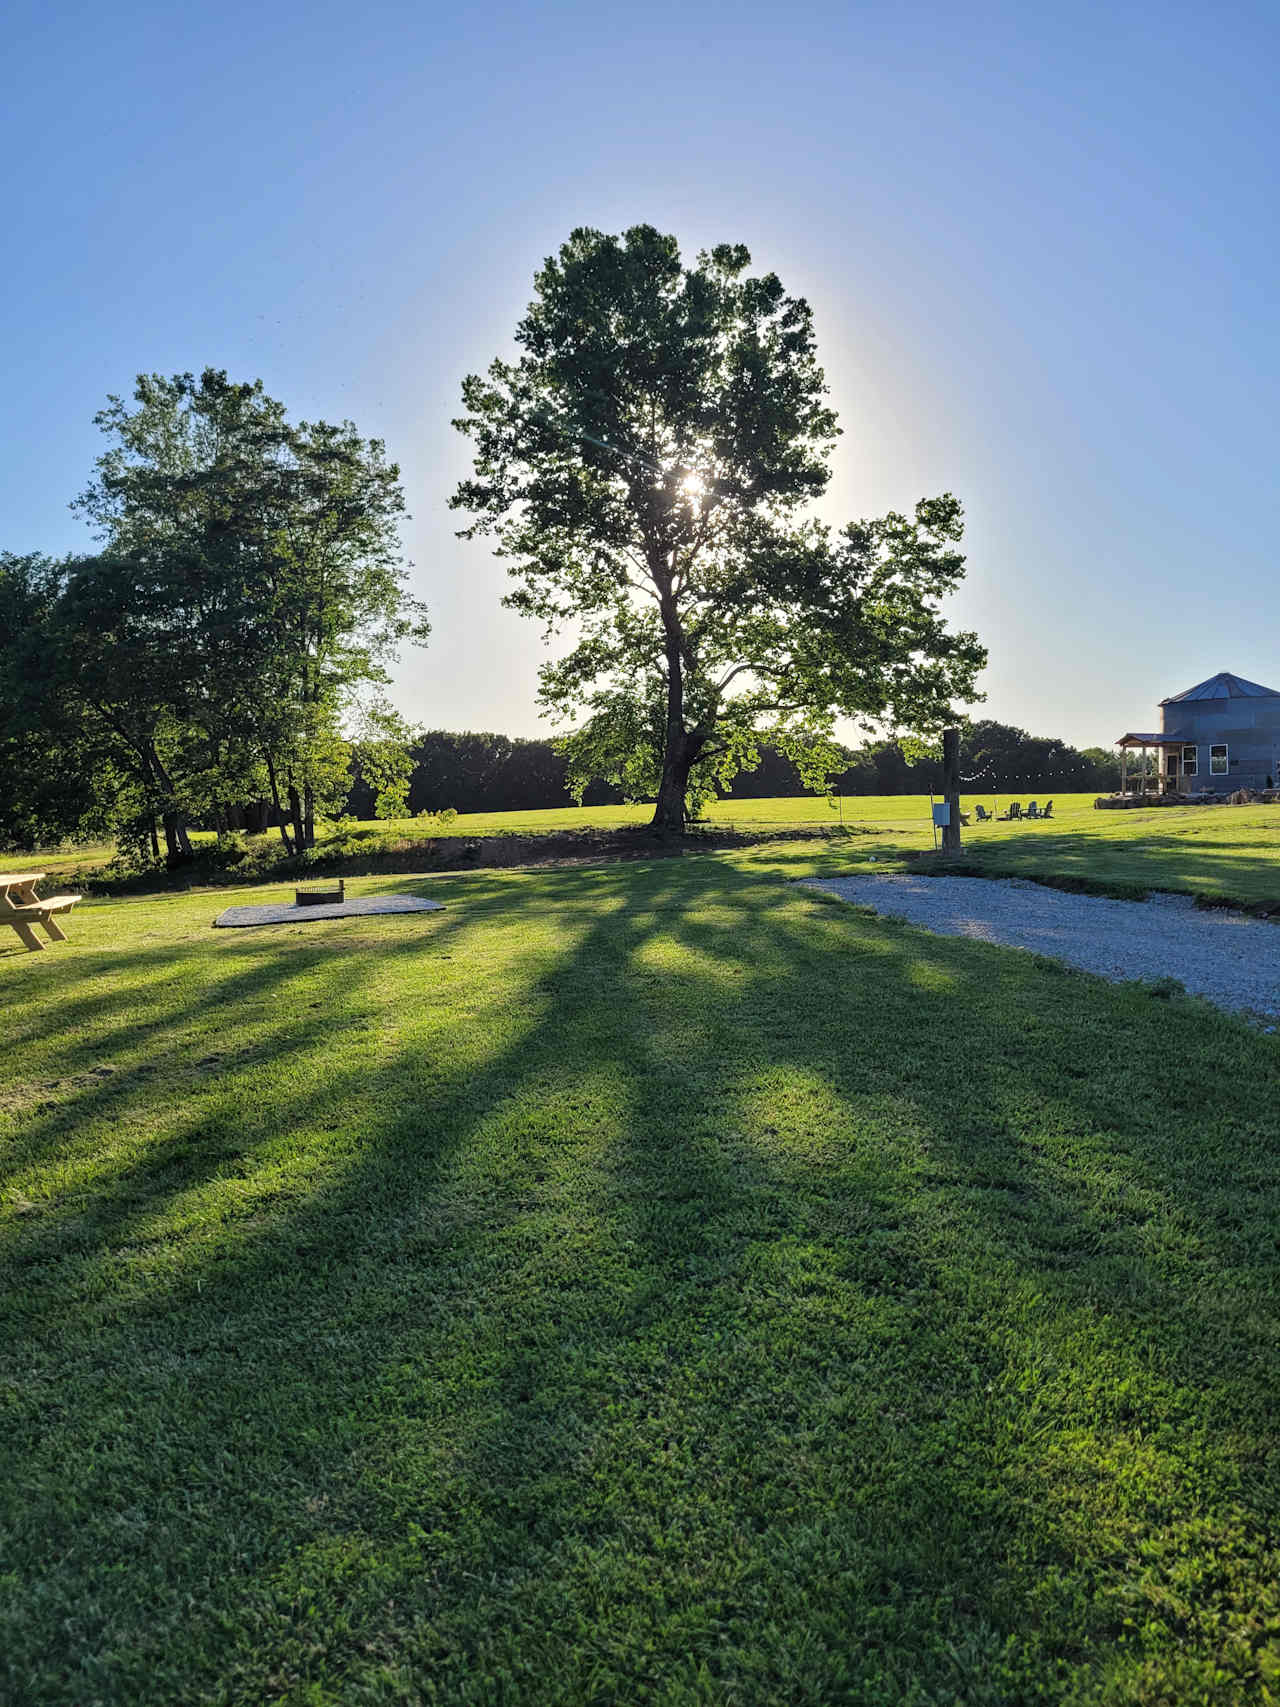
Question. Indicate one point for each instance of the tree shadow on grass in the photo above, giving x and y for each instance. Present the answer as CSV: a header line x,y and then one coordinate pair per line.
x,y
674,1310
263,1010
1154,861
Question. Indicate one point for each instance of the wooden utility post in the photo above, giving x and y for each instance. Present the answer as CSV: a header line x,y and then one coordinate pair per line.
x,y
951,789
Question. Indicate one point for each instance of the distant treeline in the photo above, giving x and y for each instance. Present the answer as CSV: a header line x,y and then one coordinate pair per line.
x,y
473,772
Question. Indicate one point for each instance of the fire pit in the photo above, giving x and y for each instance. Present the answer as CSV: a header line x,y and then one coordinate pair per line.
x,y
321,897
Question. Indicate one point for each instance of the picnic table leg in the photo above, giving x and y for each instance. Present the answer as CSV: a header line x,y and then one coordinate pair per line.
x,y
26,933
54,929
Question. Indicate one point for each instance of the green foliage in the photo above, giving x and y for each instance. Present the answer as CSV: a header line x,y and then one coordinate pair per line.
x,y
250,588
1106,768
61,777
621,743
644,467
382,752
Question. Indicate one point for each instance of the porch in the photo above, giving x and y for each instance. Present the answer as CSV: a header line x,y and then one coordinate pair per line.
x,y
1162,781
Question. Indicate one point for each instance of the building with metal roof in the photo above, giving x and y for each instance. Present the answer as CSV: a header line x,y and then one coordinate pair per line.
x,y
1222,686
1220,735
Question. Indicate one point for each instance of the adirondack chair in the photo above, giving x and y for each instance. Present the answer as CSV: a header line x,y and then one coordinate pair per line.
x,y
983,816
23,909
1047,810
1033,811
1015,811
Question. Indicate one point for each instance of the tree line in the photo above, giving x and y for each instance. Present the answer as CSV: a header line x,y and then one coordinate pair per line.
x,y
483,772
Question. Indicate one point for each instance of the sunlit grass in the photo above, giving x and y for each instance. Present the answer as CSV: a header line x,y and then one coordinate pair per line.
x,y
646,1282
907,812
1226,853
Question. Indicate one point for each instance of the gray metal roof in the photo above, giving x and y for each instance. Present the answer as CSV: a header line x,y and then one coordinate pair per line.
x,y
1224,686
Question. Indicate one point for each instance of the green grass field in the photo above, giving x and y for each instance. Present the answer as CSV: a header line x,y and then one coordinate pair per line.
x,y
1226,853
635,1283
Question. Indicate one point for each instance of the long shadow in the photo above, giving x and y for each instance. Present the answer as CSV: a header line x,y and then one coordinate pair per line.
x,y
600,1315
1183,861
105,1070
1054,1187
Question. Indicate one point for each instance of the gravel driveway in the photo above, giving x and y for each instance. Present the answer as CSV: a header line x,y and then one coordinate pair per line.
x,y
1233,960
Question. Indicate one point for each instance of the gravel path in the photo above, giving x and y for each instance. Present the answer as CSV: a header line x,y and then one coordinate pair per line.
x,y
1233,960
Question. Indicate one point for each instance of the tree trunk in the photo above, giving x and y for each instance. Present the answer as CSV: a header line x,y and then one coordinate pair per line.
x,y
668,814
279,809
309,815
177,843
176,840
295,813
155,841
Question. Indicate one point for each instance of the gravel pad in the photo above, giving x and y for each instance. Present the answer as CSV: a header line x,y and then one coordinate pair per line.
x,y
1231,959
285,913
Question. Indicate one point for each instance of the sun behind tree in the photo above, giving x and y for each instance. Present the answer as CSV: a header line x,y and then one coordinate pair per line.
x,y
645,466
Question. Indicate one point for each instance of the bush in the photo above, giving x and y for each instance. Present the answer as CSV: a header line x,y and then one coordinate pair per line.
x,y
230,850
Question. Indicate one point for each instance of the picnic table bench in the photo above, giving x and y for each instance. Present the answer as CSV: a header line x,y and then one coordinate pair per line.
x,y
22,908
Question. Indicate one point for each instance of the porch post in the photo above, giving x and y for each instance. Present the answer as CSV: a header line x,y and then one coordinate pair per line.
x,y
1144,773
1124,772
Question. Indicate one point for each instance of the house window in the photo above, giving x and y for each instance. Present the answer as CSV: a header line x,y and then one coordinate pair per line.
x,y
1188,761
1218,759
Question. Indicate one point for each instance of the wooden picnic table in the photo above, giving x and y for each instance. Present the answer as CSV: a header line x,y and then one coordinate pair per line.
x,y
19,886
23,908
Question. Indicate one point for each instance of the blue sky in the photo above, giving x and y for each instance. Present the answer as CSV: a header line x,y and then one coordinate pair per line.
x,y
1040,242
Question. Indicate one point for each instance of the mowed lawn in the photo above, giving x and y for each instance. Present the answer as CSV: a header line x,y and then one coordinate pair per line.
x,y
1226,853
640,1283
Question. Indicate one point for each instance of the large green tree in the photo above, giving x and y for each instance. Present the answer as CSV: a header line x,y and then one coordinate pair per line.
x,y
646,464
250,590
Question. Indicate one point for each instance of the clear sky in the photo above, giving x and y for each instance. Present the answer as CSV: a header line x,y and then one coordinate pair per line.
x,y
1040,242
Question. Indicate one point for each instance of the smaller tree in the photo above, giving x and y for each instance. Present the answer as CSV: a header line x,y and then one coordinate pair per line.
x,y
251,590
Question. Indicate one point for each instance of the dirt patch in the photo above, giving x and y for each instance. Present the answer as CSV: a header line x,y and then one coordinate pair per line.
x,y
462,853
